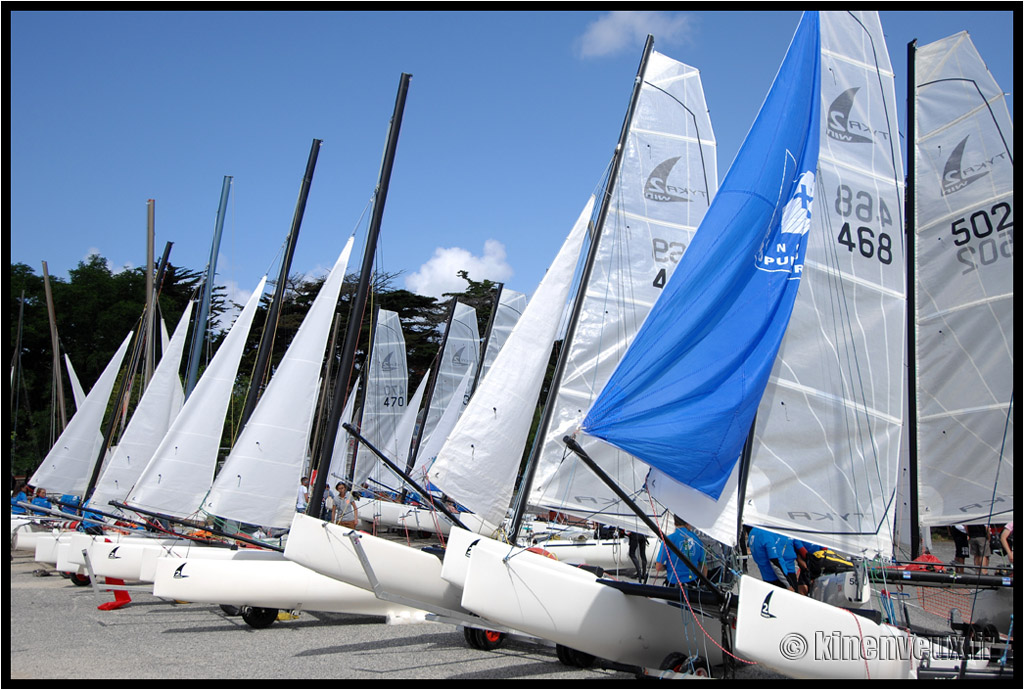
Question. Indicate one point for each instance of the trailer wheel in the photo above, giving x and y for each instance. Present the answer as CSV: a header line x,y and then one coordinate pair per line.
x,y
258,617
79,580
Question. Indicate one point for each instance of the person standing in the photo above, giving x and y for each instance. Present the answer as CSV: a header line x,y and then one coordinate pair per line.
x,y
303,497
980,546
344,512
691,545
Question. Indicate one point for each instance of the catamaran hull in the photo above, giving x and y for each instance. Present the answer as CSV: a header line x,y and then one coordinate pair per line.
x,y
399,570
47,545
25,533
567,605
804,638
268,583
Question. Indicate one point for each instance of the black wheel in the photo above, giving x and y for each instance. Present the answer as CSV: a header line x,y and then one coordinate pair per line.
x,y
574,657
230,610
471,638
258,617
79,580
489,639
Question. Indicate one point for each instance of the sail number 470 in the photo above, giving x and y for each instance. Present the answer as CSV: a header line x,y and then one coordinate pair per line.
x,y
861,206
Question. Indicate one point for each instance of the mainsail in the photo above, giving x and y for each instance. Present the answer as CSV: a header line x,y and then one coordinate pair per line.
x,y
510,307
478,463
963,265
461,354
667,177
160,404
386,394
825,457
179,476
259,479
67,467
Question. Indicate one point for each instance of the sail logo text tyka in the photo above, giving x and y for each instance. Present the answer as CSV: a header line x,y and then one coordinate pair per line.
x,y
782,250
815,516
388,364
657,188
955,177
842,127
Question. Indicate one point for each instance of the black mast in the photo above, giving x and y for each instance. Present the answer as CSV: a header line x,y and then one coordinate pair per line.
x,y
595,236
358,305
911,219
270,327
486,342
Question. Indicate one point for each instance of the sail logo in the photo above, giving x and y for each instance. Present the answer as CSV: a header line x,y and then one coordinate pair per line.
x,y
782,250
815,516
842,127
955,177
178,574
765,613
457,358
113,554
389,363
657,188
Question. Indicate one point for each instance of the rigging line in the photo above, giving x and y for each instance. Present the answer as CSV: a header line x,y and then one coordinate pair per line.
x,y
855,369
995,484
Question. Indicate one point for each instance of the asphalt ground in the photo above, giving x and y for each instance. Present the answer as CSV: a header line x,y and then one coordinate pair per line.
x,y
57,632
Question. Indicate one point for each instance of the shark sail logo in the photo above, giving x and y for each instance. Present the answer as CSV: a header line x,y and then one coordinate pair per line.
x,y
840,126
953,175
457,359
657,187
113,554
178,574
765,613
388,364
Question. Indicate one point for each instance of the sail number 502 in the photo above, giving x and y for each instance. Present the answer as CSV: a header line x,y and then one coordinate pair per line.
x,y
974,235
861,206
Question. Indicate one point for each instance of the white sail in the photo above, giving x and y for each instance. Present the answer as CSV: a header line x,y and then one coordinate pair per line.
x,y
258,481
668,177
181,471
825,458
76,386
461,353
152,418
66,469
477,465
343,443
427,452
963,201
386,394
510,308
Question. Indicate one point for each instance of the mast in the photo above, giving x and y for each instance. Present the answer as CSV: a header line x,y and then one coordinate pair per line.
x,y
150,324
563,355
414,449
486,340
911,220
270,327
359,303
55,342
199,331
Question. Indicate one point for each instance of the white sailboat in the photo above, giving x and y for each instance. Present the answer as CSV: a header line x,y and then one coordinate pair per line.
x,y
158,407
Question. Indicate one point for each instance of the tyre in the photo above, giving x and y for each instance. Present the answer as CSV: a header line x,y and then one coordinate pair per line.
x,y
230,610
258,617
471,638
489,639
79,580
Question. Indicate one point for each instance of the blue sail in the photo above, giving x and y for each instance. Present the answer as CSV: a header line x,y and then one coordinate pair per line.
x,y
684,396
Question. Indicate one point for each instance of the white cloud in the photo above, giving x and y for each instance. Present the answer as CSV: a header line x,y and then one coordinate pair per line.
x,y
441,273
94,251
618,31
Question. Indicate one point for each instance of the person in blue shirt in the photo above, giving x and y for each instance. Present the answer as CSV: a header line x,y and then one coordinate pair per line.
x,y
769,551
41,500
19,497
691,545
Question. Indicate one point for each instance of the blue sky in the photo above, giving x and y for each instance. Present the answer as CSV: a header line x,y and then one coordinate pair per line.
x,y
510,121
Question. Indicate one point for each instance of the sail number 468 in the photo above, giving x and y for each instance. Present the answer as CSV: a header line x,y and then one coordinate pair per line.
x,y
862,238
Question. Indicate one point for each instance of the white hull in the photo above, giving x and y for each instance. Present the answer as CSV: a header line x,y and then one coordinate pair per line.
x,y
26,533
401,516
566,605
128,559
253,578
804,638
46,546
400,571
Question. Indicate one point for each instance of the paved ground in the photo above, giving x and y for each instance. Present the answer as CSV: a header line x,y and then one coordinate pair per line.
x,y
56,631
